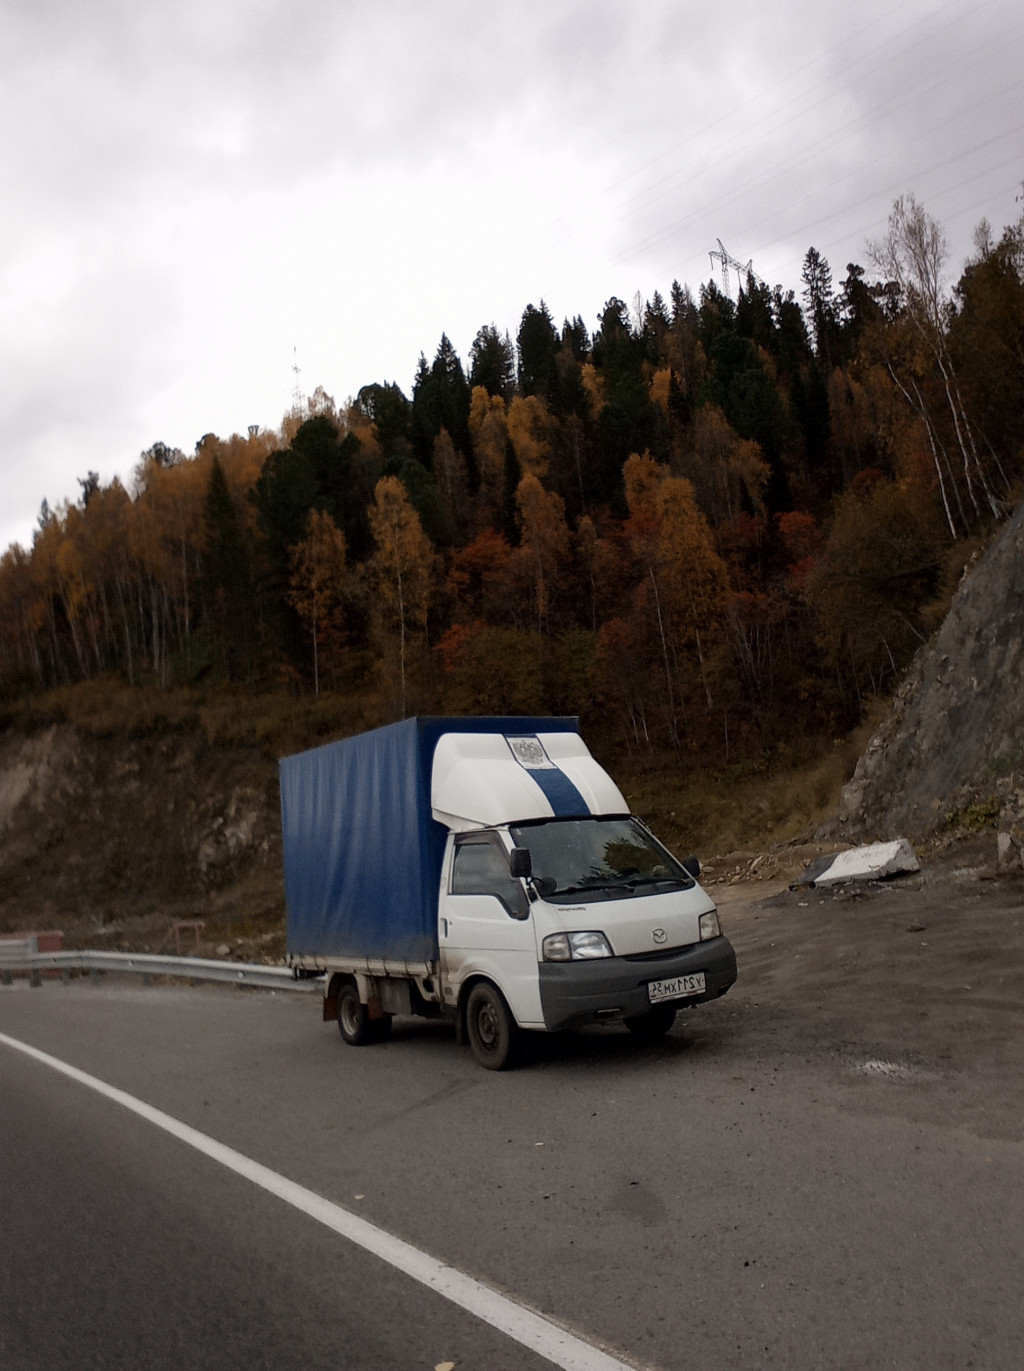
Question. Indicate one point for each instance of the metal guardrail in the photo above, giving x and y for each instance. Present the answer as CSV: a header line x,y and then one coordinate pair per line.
x,y
26,958
14,951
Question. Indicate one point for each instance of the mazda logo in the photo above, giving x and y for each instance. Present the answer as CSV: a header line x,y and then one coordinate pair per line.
x,y
660,935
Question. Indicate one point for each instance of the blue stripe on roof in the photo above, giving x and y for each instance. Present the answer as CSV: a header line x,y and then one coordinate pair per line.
x,y
562,795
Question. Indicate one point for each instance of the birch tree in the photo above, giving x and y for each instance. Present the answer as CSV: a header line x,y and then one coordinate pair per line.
x,y
913,255
318,583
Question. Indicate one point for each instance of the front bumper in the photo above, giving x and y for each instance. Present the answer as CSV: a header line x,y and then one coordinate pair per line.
x,y
573,994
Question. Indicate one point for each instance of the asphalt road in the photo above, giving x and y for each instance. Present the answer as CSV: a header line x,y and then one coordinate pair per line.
x,y
696,1204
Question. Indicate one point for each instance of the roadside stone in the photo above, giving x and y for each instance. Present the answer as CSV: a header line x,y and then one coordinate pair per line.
x,y
1007,852
876,862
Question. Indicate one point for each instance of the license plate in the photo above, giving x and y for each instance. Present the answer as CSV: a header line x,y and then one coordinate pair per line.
x,y
676,987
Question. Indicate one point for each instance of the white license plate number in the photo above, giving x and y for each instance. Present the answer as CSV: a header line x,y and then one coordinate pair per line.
x,y
676,987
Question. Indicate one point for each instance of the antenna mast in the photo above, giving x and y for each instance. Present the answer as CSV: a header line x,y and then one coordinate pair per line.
x,y
296,388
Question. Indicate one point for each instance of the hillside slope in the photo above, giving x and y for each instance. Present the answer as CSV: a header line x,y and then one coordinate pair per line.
x,y
953,743
100,828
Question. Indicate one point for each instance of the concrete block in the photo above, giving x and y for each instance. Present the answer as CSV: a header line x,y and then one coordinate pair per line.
x,y
876,862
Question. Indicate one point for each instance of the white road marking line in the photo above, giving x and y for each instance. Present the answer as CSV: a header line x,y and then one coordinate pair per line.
x,y
532,1330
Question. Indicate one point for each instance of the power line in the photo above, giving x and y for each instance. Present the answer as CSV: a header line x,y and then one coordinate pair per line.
x,y
771,174
728,149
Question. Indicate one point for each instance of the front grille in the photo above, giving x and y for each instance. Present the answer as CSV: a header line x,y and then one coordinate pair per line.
x,y
657,954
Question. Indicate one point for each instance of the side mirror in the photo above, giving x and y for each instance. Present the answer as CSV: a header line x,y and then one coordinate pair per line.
x,y
691,865
520,863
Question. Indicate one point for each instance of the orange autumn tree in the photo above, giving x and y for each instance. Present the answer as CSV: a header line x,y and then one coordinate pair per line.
x,y
529,428
642,476
401,572
731,471
317,585
544,544
488,431
684,587
694,578
452,481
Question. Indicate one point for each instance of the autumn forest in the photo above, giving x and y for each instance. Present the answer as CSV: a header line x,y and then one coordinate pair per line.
x,y
710,527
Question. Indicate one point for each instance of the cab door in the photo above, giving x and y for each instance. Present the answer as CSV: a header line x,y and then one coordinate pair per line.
x,y
485,928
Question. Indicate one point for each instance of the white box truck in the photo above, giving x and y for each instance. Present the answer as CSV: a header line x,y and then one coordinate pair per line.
x,y
488,871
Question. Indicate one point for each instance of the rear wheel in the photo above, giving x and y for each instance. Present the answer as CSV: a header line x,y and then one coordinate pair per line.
x,y
491,1028
654,1024
353,1020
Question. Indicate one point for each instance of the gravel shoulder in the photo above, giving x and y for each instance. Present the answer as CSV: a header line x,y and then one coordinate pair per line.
x,y
910,992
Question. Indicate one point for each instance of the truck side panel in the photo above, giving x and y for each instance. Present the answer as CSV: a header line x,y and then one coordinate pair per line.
x,y
362,855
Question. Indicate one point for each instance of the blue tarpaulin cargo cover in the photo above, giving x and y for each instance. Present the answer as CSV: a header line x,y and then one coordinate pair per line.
x,y
362,853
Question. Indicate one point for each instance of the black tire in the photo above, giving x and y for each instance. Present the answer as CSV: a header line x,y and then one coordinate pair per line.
x,y
353,1020
492,1031
654,1024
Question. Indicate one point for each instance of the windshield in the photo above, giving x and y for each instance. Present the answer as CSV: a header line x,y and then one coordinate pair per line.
x,y
601,858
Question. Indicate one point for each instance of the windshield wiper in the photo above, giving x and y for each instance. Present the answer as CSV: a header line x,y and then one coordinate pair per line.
x,y
657,880
630,884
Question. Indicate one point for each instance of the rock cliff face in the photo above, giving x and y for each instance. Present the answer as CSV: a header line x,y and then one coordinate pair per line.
x,y
953,743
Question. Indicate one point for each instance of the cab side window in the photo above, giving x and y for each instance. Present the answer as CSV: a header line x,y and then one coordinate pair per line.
x,y
480,867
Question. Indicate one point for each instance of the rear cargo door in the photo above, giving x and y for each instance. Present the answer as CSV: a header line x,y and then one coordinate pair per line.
x,y
485,927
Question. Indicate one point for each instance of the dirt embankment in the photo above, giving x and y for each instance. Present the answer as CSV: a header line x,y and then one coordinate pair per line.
x,y
95,831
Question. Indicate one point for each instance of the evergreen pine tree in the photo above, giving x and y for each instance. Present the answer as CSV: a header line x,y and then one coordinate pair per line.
x,y
492,362
538,343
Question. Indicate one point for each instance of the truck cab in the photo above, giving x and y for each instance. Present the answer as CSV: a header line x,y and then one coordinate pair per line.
x,y
573,910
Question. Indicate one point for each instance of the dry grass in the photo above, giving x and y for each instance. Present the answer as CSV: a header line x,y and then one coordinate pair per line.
x,y
751,807
714,810
275,722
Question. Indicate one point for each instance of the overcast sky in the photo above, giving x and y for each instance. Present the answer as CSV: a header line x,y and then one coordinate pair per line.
x,y
200,196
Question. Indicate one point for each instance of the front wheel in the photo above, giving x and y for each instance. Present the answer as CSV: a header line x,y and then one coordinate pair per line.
x,y
654,1024
491,1028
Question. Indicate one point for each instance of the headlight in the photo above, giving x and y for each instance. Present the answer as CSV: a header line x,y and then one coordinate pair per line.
x,y
709,926
575,947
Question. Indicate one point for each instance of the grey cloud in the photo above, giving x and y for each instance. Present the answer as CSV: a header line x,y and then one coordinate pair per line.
x,y
163,150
